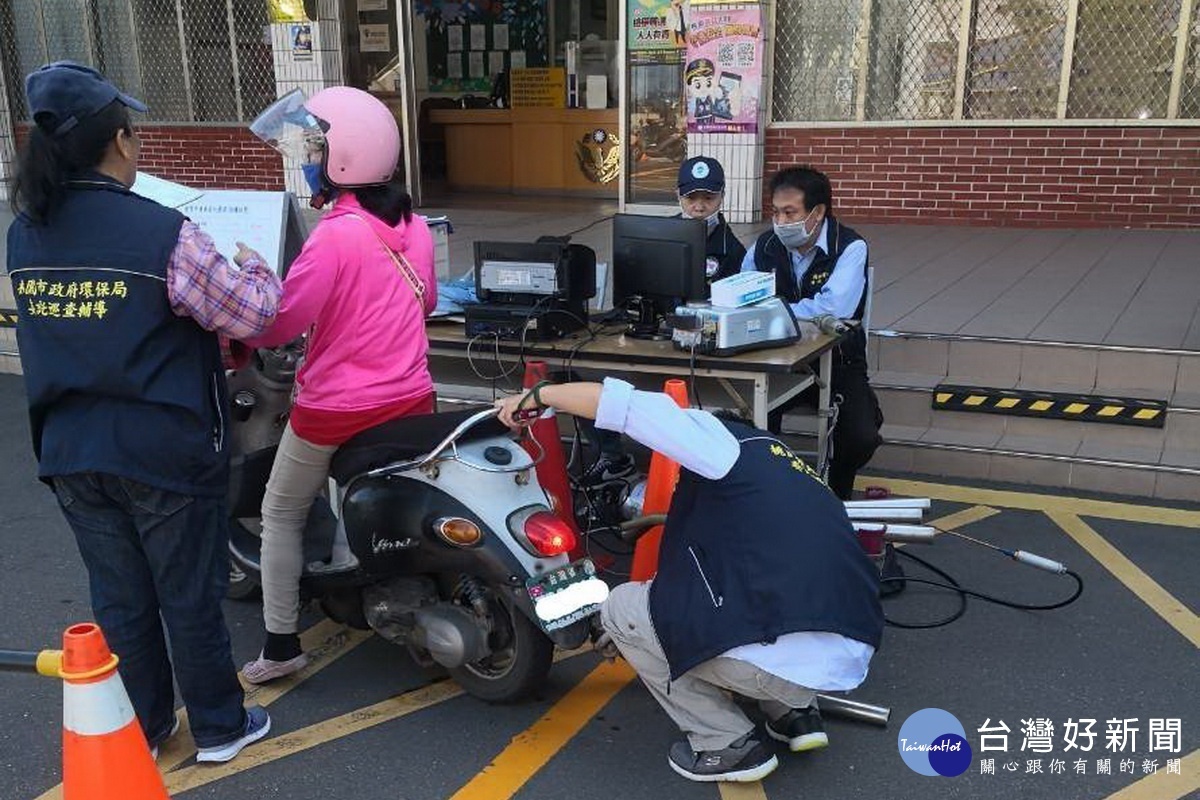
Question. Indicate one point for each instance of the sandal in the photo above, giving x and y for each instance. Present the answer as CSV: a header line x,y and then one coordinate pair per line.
x,y
263,670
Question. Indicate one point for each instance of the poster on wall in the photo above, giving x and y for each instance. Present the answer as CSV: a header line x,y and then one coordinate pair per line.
x,y
372,5
374,38
302,42
723,71
657,24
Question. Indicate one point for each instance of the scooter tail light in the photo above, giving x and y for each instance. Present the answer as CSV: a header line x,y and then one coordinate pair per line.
x,y
548,534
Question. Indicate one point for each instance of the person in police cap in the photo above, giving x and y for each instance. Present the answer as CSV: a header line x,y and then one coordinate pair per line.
x,y
120,305
820,267
762,588
701,188
701,194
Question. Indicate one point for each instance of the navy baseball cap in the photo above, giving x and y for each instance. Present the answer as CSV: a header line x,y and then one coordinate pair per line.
x,y
701,174
63,93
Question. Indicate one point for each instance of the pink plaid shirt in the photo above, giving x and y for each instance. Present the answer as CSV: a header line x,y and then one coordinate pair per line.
x,y
235,303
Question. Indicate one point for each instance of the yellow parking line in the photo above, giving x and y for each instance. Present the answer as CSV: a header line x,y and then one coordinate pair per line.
x,y
281,745
325,642
1164,786
742,791
1029,501
1163,603
960,519
274,748
529,751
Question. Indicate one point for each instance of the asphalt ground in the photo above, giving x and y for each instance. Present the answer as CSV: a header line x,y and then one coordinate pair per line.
x,y
365,722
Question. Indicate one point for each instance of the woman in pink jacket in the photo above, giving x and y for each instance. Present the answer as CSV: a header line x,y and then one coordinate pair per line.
x,y
361,289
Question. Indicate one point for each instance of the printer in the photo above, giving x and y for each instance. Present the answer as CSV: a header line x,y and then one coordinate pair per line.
x,y
531,290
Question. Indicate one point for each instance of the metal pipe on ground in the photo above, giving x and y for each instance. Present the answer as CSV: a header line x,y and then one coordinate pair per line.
x,y
852,709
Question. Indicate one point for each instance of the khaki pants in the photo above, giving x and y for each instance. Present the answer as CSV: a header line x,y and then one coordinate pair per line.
x,y
300,471
698,701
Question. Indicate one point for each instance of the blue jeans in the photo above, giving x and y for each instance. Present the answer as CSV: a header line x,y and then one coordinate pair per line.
x,y
155,556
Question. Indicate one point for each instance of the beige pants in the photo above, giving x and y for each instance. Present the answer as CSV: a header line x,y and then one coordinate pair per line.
x,y
698,701
300,471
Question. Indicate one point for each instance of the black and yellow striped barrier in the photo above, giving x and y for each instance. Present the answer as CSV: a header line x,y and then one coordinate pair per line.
x,y
8,318
1051,405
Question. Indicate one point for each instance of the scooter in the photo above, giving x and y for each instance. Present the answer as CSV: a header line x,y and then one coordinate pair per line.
x,y
436,535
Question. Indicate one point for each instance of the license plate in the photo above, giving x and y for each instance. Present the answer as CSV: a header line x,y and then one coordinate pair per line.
x,y
566,595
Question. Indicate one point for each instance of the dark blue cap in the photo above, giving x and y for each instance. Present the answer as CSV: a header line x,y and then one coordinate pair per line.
x,y
701,174
63,93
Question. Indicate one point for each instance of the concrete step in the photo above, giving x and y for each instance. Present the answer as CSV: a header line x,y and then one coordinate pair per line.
x,y
1147,462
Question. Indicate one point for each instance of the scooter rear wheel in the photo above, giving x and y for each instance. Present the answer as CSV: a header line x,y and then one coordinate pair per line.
x,y
520,659
242,586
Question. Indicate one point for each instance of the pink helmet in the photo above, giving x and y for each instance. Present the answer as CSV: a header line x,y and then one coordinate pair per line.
x,y
362,140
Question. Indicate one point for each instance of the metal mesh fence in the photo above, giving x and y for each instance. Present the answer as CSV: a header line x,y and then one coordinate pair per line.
x,y
914,55
1123,59
1015,59
816,59
1189,94
189,60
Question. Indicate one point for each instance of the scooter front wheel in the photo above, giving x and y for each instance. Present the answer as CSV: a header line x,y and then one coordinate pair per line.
x,y
520,659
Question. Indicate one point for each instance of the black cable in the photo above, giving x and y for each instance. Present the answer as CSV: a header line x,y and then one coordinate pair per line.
x,y
954,586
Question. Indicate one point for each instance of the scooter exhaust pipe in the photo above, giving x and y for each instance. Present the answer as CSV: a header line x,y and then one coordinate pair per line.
x,y
852,709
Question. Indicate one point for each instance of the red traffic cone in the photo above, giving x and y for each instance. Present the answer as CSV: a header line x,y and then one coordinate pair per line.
x,y
664,474
552,470
105,754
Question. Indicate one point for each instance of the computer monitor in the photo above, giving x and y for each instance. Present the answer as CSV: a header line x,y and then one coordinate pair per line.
x,y
658,262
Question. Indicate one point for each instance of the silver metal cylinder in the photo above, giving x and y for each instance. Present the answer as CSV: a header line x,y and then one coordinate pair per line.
x,y
852,709
908,514
902,502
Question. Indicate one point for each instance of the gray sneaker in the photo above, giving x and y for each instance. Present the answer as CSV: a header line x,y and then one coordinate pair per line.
x,y
746,760
258,725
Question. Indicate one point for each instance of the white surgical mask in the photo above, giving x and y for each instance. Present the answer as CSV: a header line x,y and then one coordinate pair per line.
x,y
795,234
711,220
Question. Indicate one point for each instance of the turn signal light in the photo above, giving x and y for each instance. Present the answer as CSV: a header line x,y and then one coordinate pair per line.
x,y
458,531
548,534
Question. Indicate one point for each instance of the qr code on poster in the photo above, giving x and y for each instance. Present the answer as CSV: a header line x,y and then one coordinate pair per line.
x,y
744,55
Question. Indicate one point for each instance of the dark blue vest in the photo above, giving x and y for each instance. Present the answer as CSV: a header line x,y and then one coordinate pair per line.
x,y
116,382
771,256
765,551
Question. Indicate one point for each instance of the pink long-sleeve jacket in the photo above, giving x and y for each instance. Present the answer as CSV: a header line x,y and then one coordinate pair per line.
x,y
368,346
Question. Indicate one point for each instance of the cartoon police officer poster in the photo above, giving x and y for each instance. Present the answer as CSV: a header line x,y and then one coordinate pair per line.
x,y
723,72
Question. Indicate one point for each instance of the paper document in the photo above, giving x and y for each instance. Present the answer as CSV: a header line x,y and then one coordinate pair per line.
x,y
164,192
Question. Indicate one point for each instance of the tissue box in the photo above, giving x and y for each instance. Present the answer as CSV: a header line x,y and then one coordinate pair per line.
x,y
743,289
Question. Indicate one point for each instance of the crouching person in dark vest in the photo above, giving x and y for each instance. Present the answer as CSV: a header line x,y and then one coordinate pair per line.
x,y
120,303
820,268
762,588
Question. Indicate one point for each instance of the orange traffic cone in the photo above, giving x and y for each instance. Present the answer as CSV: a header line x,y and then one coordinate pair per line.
x,y
664,474
105,755
552,470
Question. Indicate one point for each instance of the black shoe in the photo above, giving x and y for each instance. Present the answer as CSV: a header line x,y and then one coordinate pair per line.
x,y
801,728
744,761
608,468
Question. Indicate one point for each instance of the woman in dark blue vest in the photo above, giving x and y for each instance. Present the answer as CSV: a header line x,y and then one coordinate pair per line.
x,y
820,268
762,588
120,304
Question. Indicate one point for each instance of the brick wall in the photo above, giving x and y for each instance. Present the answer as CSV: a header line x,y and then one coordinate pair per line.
x,y
206,157
1145,177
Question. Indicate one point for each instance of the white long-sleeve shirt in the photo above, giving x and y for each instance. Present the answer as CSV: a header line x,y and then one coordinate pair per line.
x,y
700,443
840,295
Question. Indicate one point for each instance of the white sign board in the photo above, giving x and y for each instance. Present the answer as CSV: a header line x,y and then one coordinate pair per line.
x,y
230,216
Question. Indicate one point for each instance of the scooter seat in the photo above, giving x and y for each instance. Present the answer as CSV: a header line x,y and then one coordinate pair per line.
x,y
405,438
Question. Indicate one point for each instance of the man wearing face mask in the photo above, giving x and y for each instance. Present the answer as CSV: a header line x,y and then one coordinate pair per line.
x,y
701,191
820,267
